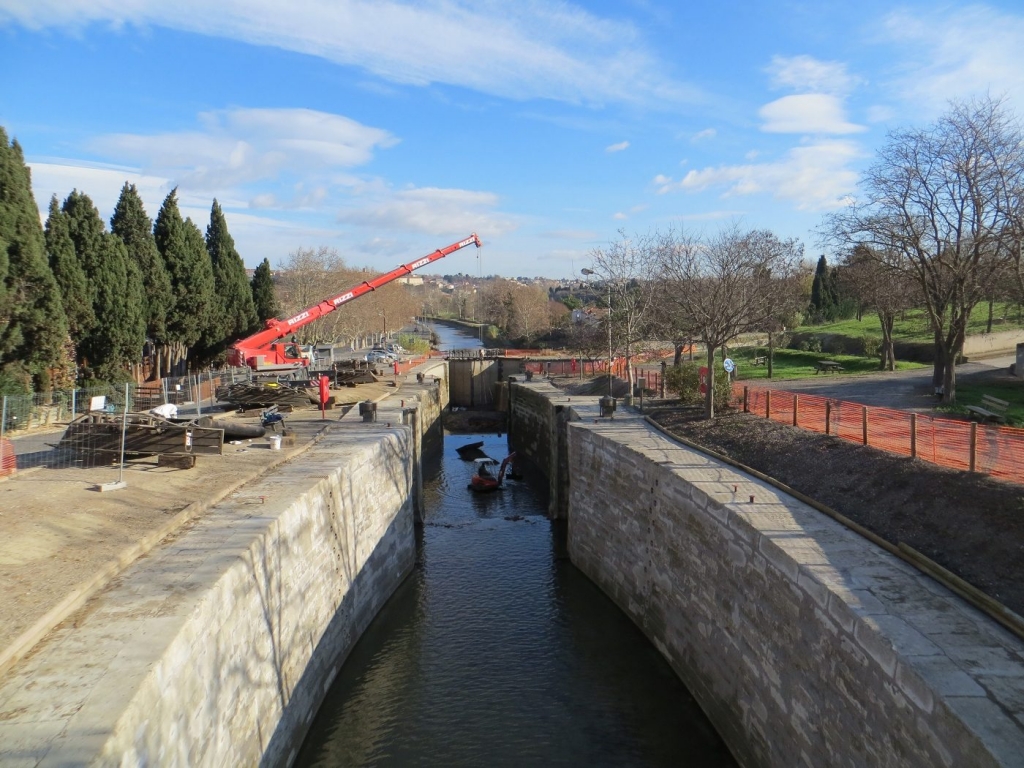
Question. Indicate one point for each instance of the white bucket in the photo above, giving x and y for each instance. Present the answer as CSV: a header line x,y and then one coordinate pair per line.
x,y
275,442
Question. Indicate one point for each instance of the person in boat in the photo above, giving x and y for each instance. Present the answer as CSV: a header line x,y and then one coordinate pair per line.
x,y
484,471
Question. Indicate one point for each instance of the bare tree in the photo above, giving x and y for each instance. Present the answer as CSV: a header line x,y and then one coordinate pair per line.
x,y
728,284
879,283
312,275
946,200
628,268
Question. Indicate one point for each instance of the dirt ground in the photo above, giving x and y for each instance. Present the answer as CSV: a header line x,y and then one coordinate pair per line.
x,y
968,523
59,531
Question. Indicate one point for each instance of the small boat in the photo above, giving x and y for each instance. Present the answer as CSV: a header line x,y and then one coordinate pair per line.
x,y
470,450
486,479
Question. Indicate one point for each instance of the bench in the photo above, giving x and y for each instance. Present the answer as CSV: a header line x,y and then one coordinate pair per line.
x,y
827,366
991,409
762,360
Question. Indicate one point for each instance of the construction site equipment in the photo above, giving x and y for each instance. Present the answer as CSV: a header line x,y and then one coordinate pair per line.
x,y
251,396
264,351
99,435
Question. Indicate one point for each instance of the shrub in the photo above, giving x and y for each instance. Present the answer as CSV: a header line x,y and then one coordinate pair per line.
x,y
872,346
684,380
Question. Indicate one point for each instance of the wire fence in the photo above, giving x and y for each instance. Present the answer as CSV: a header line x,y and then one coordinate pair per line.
x,y
992,450
31,425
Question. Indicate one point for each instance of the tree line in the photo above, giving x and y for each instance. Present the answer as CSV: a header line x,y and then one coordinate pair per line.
x,y
938,225
81,303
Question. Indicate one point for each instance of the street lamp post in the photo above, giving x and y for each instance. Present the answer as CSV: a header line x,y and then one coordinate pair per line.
x,y
608,402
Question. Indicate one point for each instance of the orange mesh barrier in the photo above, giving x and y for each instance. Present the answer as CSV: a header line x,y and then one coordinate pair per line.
x,y
996,451
8,461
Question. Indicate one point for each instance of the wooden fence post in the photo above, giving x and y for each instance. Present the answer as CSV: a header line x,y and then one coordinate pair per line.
x,y
974,445
768,404
746,407
913,435
864,422
828,417
796,409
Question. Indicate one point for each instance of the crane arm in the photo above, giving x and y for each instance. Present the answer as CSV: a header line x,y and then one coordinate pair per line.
x,y
276,329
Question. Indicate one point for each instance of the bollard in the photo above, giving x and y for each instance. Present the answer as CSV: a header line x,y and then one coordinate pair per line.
x,y
607,404
368,410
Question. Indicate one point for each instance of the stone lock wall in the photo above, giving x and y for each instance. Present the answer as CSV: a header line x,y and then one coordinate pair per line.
x,y
803,642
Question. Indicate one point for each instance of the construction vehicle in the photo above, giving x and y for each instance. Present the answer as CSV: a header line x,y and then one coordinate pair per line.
x,y
266,352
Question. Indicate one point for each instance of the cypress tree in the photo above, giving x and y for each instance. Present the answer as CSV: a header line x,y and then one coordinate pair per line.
x,y
263,293
237,313
33,327
188,264
822,291
71,280
135,229
114,343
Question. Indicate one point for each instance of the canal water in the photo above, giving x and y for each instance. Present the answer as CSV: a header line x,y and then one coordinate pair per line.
x,y
497,651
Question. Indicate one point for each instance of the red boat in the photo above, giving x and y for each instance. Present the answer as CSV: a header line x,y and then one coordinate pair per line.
x,y
486,478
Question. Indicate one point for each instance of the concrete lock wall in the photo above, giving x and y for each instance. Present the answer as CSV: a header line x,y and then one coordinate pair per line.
x,y
218,646
248,665
537,417
804,643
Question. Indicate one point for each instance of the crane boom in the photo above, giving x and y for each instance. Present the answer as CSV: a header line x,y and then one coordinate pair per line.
x,y
261,352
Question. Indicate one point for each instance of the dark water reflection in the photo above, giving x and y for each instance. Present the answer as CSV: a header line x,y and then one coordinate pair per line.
x,y
497,651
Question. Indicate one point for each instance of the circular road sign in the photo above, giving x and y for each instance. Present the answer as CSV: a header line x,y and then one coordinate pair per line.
x,y
729,365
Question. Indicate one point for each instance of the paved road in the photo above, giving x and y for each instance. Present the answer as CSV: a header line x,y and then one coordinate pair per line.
x,y
905,390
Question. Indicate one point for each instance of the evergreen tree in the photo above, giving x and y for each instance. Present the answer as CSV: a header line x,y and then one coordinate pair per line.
x,y
114,343
135,229
188,264
71,280
33,327
237,313
263,293
822,291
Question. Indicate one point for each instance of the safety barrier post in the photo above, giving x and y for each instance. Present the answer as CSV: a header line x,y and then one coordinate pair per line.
x,y
796,408
913,435
974,445
864,422
768,404
828,417
746,405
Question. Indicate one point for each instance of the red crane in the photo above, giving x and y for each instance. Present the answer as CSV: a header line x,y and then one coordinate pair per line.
x,y
264,351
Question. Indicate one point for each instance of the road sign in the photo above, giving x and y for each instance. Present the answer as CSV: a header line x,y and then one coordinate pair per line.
x,y
703,380
729,365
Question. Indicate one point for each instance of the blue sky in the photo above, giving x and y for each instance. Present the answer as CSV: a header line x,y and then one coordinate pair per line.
x,y
387,129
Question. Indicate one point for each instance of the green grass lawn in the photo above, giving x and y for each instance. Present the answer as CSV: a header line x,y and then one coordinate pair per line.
x,y
794,364
914,325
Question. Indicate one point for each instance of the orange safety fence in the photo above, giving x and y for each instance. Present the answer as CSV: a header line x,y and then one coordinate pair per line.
x,y
992,450
8,461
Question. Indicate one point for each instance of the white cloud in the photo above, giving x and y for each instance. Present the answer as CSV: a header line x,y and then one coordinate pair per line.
x,y
433,211
807,113
570,234
617,147
879,113
241,146
806,74
957,53
815,177
619,216
520,51
257,237
707,133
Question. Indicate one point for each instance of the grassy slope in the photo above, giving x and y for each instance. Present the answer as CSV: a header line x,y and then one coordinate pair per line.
x,y
914,326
